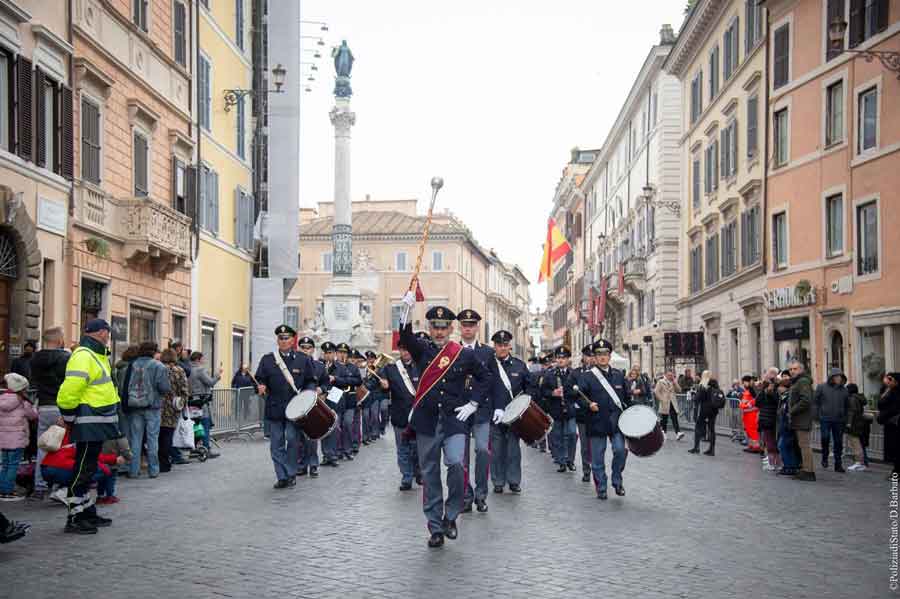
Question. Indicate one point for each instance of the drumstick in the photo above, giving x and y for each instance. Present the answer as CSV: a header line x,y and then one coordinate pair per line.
x,y
581,393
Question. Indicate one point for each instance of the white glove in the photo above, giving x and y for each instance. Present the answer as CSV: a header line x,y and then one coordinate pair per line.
x,y
463,412
498,416
410,299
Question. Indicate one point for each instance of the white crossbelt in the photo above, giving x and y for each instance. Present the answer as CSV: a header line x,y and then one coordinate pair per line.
x,y
404,375
607,387
284,370
505,378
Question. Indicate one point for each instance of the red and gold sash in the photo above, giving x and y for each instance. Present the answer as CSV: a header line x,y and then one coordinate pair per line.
x,y
438,367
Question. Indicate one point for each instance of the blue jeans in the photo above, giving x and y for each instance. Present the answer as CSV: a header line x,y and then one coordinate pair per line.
x,y
832,429
284,448
406,456
433,504
563,437
786,440
206,423
598,459
141,421
106,483
11,459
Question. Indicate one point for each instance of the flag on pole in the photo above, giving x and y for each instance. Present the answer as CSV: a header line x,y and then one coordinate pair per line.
x,y
622,279
601,309
420,295
555,248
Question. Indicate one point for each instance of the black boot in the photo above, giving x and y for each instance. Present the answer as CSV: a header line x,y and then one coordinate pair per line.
x,y
436,540
80,526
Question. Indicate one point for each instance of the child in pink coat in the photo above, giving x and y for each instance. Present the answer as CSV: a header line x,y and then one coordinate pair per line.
x,y
15,412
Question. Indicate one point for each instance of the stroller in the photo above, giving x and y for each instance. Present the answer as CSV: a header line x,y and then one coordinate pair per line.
x,y
195,413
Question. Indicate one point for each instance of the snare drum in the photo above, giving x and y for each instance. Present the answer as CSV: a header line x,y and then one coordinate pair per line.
x,y
312,414
526,419
642,431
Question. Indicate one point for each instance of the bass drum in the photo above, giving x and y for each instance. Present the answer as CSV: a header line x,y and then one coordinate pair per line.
x,y
312,414
527,419
642,431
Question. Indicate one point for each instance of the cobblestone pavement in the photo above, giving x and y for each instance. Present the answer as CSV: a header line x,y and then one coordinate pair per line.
x,y
690,526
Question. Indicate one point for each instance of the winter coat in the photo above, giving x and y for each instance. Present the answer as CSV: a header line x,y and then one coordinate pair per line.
x,y
48,371
888,410
801,402
856,421
149,379
201,385
831,399
15,413
175,400
240,380
767,403
640,386
704,398
665,392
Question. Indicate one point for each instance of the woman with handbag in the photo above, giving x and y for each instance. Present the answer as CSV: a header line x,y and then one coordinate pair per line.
x,y
889,418
15,412
172,406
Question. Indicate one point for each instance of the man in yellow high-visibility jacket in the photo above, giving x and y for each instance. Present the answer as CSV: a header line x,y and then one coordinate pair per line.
x,y
88,402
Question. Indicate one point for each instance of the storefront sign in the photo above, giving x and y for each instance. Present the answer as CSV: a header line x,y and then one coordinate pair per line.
x,y
787,297
51,216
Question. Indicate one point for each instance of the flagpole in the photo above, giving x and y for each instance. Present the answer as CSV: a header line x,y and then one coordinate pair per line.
x,y
436,184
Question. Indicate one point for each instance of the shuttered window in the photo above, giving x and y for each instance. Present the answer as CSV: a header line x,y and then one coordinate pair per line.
x,y
867,18
712,259
208,210
729,249
239,23
141,165
241,122
24,124
90,142
782,58
179,185
139,12
243,219
179,26
204,94
752,126
66,132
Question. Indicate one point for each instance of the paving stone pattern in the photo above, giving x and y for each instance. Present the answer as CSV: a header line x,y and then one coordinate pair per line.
x,y
690,526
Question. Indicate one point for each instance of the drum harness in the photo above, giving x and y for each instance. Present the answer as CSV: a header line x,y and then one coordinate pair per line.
x,y
404,375
607,387
284,370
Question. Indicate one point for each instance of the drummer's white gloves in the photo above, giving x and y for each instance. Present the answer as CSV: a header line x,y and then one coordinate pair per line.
x,y
410,299
498,416
463,412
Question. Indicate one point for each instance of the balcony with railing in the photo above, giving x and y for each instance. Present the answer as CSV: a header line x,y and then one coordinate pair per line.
x,y
149,232
636,272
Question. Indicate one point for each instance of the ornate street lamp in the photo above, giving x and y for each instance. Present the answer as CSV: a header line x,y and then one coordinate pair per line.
x,y
647,193
837,29
234,96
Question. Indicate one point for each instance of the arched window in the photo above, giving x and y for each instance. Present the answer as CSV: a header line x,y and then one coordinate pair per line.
x,y
9,261
837,351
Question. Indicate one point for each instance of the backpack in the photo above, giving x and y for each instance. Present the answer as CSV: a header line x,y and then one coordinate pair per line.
x,y
717,399
138,396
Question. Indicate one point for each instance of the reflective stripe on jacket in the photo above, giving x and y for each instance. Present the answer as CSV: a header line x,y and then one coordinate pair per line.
x,y
87,398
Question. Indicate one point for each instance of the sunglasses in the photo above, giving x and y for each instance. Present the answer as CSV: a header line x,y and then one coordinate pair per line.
x,y
285,337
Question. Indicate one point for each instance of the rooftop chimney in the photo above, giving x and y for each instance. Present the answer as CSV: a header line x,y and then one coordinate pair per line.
x,y
666,35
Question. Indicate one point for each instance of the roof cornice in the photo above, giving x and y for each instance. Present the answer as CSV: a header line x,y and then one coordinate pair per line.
x,y
694,31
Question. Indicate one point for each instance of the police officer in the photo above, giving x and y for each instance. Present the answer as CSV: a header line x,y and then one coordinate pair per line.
x,y
537,381
309,448
334,373
400,380
581,415
372,403
348,445
358,360
512,380
480,425
605,386
439,419
558,395
272,376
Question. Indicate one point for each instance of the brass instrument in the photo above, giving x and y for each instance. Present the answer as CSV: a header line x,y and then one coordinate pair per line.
x,y
380,362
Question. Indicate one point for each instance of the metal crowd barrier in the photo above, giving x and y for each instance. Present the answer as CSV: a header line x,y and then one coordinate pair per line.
x,y
730,423
236,413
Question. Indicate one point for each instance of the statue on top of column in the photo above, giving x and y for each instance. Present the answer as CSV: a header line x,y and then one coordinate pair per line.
x,y
343,64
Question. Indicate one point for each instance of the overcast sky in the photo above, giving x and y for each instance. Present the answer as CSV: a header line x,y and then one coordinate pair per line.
x,y
489,94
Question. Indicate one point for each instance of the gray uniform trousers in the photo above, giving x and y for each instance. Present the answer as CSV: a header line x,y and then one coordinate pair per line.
x,y
433,504
284,442
506,456
585,443
482,434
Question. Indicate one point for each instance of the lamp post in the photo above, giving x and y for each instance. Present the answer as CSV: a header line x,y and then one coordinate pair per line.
x,y
234,96
647,194
837,29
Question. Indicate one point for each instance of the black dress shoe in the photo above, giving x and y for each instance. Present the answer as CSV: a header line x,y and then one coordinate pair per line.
x,y
602,495
349,458
292,481
436,540
693,450
302,472
450,529
571,467
481,505
498,489
419,479
99,521
281,484
562,468
405,486
839,468
467,508
181,462
355,450
620,490
313,471
709,452
586,477
365,442
514,488
213,454
80,527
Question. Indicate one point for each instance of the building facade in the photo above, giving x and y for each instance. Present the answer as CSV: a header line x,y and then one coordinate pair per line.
x,y
35,171
226,210
456,272
833,188
633,192
720,60
129,245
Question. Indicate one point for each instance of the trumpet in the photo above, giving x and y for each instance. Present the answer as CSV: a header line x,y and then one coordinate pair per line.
x,y
380,362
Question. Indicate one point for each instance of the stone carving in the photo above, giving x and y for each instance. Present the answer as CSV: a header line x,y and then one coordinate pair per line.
x,y
364,262
343,64
317,328
342,253
362,333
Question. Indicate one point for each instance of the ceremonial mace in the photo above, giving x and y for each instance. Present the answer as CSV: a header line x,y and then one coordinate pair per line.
x,y
436,184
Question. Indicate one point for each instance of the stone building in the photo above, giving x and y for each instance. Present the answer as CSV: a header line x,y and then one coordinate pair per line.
x,y
456,271
35,170
719,58
833,189
129,246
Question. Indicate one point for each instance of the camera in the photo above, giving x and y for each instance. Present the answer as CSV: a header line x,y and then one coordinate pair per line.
x,y
655,324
